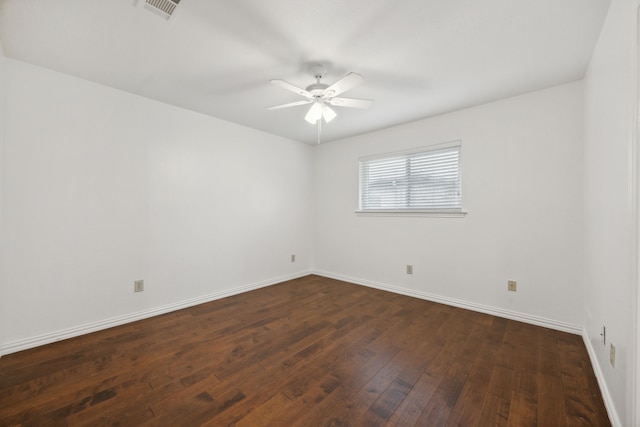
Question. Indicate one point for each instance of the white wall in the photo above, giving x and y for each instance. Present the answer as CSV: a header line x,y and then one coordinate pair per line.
x,y
522,188
101,188
608,221
2,96
2,120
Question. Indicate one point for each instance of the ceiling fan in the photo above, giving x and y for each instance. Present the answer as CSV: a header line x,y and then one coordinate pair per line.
x,y
322,96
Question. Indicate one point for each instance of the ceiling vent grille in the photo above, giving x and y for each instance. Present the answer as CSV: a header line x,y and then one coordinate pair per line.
x,y
164,8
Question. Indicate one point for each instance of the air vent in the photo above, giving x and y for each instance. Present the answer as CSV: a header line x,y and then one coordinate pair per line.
x,y
165,8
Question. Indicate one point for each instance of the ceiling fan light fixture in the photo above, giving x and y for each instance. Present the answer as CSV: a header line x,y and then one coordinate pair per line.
x,y
314,114
327,113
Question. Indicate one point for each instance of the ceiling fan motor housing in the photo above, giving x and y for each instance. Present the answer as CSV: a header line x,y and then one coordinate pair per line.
x,y
317,89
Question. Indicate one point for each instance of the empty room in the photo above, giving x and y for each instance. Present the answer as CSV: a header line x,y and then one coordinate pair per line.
x,y
330,213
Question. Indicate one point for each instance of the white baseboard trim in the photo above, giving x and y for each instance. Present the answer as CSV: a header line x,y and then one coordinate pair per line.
x,y
48,338
606,395
513,315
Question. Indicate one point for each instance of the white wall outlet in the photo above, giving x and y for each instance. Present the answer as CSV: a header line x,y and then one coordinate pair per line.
x,y
409,269
512,286
612,355
293,257
138,286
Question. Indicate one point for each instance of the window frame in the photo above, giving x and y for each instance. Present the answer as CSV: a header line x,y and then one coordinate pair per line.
x,y
419,212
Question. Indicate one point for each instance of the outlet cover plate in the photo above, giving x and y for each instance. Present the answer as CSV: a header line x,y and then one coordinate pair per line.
x,y
138,286
612,355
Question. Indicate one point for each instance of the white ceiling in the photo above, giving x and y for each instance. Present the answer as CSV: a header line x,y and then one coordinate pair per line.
x,y
419,58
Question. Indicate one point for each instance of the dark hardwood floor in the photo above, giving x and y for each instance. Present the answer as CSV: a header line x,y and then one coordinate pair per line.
x,y
308,352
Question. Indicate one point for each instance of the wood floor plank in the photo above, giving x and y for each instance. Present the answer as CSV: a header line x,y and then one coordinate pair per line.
x,y
313,395
413,405
308,352
494,411
573,360
471,399
551,409
437,411
524,400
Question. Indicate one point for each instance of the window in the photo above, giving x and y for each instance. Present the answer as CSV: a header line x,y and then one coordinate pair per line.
x,y
419,181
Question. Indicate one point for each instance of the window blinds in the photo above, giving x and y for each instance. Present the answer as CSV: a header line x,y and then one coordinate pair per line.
x,y
427,180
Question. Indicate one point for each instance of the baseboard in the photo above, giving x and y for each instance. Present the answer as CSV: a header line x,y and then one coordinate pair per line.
x,y
513,315
606,395
51,337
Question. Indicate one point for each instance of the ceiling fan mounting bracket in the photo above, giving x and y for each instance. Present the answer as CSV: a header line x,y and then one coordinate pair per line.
x,y
318,71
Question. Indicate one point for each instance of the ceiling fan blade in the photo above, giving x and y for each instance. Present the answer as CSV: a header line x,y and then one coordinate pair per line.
x,y
328,114
291,104
344,84
314,114
293,88
350,102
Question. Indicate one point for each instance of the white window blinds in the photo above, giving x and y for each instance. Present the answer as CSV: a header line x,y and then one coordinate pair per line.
x,y
425,180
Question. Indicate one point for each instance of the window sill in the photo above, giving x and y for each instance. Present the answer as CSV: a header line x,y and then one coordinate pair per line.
x,y
413,213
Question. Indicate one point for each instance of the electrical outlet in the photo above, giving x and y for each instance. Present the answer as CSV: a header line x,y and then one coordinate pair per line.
x,y
512,286
603,335
293,258
409,269
612,355
138,286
